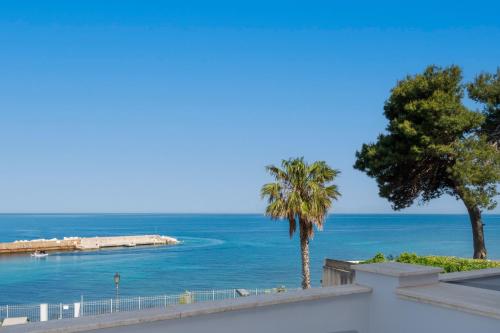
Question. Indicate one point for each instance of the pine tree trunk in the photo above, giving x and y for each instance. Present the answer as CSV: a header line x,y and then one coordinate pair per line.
x,y
304,249
477,232
476,224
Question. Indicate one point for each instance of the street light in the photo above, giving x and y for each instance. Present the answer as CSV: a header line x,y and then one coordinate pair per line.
x,y
117,285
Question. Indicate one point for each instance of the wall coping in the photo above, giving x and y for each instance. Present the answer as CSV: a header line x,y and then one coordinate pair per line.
x,y
397,269
477,301
459,276
184,311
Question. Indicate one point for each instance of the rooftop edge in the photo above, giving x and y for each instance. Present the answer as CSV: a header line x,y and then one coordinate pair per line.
x,y
183,311
477,301
397,269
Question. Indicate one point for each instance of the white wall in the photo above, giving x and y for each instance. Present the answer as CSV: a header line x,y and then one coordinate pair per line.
x,y
389,313
331,315
415,317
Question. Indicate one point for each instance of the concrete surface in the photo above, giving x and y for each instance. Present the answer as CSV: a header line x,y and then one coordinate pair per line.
x,y
349,302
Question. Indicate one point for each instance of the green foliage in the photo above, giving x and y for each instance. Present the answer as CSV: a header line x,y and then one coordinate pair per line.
x,y
433,145
301,193
379,257
449,264
477,168
486,90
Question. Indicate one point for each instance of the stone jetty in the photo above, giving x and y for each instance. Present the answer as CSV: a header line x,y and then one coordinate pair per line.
x,y
84,243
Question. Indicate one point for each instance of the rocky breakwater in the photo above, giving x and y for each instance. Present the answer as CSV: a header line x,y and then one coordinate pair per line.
x,y
84,243
124,241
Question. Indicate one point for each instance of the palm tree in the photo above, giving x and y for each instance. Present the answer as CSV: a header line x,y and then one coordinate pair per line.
x,y
301,193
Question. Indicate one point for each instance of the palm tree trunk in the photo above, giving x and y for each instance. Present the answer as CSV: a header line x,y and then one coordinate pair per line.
x,y
304,249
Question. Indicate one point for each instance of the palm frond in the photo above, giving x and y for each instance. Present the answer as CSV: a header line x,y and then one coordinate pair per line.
x,y
271,190
302,193
277,173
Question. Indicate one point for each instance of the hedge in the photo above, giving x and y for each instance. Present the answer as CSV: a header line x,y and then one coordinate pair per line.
x,y
449,264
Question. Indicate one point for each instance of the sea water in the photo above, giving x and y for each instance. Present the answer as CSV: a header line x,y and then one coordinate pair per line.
x,y
217,251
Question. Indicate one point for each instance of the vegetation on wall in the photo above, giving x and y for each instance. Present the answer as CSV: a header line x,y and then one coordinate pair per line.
x,y
449,264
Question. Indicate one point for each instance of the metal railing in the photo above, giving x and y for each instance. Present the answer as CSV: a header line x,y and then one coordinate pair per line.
x,y
43,312
32,311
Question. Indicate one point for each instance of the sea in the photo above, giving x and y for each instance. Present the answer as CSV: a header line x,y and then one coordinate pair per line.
x,y
217,251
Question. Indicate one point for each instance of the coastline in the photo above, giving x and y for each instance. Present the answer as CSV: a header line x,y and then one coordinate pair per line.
x,y
217,251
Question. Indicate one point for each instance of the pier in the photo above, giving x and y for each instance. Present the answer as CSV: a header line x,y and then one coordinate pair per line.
x,y
84,243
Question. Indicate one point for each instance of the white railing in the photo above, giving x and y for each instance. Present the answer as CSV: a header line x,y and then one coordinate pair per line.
x,y
43,312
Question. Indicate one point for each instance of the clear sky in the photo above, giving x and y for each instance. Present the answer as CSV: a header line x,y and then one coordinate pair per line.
x,y
158,106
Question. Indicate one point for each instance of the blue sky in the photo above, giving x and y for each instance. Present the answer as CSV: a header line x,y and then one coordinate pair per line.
x,y
133,106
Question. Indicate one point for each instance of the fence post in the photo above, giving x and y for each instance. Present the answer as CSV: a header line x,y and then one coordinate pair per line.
x,y
139,302
213,295
165,300
44,312
7,311
60,310
82,305
111,303
76,310
234,293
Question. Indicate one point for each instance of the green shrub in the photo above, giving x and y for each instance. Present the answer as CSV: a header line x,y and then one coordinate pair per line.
x,y
449,264
379,257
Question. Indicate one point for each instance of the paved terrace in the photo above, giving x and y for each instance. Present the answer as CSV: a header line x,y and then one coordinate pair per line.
x,y
387,298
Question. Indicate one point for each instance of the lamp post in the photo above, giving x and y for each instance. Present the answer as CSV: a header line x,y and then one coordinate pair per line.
x,y
117,285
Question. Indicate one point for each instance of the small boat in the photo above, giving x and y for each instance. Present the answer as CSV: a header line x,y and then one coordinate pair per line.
x,y
39,254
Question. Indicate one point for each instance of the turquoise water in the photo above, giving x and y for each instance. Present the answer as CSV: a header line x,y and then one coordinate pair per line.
x,y
217,251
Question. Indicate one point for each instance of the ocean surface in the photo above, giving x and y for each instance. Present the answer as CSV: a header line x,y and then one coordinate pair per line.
x,y
217,251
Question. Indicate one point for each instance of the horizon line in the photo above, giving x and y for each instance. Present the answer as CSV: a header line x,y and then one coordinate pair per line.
x,y
220,213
